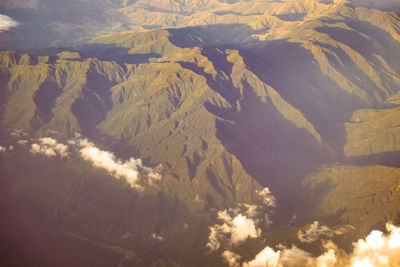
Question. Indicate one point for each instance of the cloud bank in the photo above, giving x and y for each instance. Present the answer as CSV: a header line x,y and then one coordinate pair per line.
x,y
293,256
237,225
376,250
7,23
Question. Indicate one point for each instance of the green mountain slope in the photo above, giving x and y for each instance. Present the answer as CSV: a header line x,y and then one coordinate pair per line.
x,y
298,96
364,197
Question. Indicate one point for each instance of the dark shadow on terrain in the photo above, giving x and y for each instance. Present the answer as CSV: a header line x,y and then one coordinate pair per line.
x,y
369,41
95,101
351,71
384,5
389,159
110,52
50,51
223,87
44,99
223,36
271,148
292,17
78,215
4,96
221,13
294,73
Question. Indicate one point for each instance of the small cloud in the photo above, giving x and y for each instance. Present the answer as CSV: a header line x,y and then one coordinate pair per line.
x,y
241,223
231,258
37,149
293,219
157,237
18,133
49,147
71,142
251,209
316,230
11,148
3,149
22,142
6,23
235,228
267,197
243,228
198,199
131,170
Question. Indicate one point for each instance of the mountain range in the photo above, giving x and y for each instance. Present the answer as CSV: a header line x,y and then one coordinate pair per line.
x,y
199,132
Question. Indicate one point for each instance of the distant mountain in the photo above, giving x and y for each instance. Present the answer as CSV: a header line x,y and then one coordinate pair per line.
x,y
44,23
200,109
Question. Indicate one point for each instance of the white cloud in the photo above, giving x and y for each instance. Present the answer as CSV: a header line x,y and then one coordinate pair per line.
x,y
49,147
293,256
267,197
107,161
37,149
18,133
7,23
267,257
231,258
11,148
130,170
22,142
316,230
71,142
251,209
3,149
235,228
214,237
157,237
243,228
327,259
241,223
376,250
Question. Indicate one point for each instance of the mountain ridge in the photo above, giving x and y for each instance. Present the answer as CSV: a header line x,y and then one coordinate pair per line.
x,y
227,102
